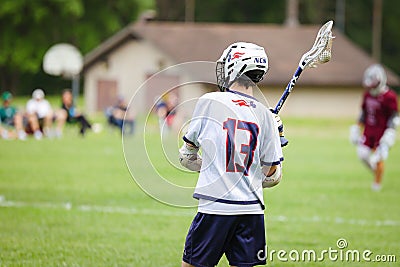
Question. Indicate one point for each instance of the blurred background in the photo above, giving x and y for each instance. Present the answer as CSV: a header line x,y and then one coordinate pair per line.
x,y
73,202
30,28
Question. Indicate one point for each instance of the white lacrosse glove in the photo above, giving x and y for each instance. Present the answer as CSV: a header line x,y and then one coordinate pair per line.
x,y
381,153
388,138
189,157
274,178
355,134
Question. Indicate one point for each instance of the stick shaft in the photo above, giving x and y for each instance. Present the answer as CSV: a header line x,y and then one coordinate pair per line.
x,y
288,89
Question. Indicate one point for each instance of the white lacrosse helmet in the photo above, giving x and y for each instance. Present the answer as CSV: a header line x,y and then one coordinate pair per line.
x,y
375,79
238,59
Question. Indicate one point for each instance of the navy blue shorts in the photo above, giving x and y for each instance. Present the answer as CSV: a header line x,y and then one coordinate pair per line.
x,y
240,237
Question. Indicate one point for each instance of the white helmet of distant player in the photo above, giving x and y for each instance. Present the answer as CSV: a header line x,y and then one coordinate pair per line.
x,y
238,59
375,79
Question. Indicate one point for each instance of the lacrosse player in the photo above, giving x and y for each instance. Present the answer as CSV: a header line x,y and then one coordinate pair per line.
x,y
378,121
241,154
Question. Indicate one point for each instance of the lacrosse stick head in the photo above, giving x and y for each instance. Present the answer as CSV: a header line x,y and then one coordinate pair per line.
x,y
321,51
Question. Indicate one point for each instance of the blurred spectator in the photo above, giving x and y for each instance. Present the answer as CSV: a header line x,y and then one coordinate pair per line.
x,y
10,117
73,115
166,110
41,116
118,115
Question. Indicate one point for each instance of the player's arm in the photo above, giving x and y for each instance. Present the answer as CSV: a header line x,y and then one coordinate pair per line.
x,y
189,156
389,135
189,152
387,140
271,155
355,129
30,107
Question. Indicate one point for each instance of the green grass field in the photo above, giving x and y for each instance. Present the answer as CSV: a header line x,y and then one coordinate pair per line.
x,y
73,202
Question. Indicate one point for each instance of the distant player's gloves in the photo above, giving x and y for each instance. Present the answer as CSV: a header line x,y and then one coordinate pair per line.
x,y
382,151
279,122
388,138
189,157
355,134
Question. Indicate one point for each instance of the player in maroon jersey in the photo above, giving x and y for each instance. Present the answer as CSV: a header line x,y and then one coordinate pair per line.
x,y
377,123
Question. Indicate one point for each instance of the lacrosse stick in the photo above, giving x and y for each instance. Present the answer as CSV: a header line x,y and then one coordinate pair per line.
x,y
319,53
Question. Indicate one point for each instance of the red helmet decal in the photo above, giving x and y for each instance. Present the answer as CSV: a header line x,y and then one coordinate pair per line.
x,y
235,56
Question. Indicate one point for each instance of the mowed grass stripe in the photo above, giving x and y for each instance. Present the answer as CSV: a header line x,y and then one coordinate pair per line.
x,y
176,212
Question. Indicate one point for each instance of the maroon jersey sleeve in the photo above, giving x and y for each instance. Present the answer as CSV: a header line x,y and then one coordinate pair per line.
x,y
391,102
363,109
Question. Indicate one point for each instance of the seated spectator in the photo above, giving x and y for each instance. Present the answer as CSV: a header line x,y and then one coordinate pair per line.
x,y
10,117
118,115
41,116
73,115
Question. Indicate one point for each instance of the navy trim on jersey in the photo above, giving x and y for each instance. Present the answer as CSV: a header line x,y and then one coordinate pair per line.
x,y
226,201
263,163
242,94
188,141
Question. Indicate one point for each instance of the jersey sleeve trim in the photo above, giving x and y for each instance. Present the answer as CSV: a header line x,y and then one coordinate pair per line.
x,y
263,163
188,141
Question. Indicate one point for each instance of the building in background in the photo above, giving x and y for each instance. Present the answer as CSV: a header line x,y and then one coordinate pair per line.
x,y
121,64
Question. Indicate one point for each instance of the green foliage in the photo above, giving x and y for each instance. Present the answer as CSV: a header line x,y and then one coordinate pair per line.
x,y
359,23
391,34
30,30
316,11
251,11
32,27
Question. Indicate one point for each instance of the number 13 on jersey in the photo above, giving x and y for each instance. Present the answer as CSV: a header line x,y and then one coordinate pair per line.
x,y
247,143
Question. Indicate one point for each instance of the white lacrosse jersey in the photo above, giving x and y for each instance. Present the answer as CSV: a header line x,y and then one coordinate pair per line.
x,y
42,108
237,135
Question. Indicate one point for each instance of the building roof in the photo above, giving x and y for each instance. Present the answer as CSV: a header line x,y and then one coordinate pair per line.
x,y
184,42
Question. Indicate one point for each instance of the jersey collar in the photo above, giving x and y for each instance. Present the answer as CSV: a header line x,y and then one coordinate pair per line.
x,y
242,94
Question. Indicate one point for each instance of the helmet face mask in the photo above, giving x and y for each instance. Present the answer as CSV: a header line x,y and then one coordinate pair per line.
x,y
375,79
220,75
241,59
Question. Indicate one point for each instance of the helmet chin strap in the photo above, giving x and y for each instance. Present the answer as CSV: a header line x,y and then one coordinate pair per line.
x,y
378,90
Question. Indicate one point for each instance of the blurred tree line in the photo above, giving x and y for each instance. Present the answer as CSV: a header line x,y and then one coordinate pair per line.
x,y
357,18
29,28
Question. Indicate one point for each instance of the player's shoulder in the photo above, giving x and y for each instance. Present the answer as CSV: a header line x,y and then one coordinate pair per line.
x,y
212,95
391,93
